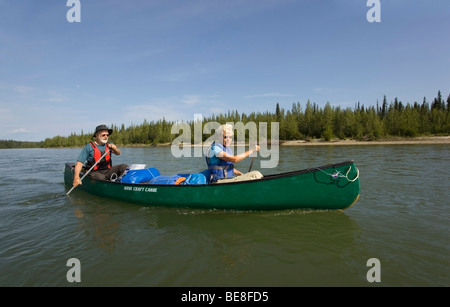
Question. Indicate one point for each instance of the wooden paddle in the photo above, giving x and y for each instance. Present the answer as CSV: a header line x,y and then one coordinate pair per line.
x,y
106,151
251,164
253,158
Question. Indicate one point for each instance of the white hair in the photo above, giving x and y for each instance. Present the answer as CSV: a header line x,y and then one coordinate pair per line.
x,y
225,128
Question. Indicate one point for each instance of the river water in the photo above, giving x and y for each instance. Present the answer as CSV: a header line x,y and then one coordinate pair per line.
x,y
401,219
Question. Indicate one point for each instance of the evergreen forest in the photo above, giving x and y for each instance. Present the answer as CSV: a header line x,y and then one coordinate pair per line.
x,y
301,122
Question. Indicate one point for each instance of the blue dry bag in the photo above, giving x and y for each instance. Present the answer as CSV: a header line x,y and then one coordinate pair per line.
x,y
174,180
196,178
140,175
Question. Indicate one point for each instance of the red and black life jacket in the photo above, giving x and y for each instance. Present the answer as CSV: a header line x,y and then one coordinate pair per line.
x,y
106,161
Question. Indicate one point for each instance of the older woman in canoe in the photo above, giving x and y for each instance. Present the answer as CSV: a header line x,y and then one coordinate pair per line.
x,y
220,158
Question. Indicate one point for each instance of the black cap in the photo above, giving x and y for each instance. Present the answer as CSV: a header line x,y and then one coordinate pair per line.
x,y
100,128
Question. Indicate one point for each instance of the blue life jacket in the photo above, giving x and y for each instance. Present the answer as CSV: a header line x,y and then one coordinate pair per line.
x,y
223,169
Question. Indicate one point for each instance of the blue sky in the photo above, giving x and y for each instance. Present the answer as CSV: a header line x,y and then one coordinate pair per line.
x,y
127,61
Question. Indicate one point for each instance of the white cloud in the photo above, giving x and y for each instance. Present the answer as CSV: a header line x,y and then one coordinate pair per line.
x,y
20,130
191,99
28,93
21,89
152,112
217,111
172,108
52,96
325,89
273,94
175,77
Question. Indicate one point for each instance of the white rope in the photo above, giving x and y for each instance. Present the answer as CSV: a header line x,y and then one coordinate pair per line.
x,y
114,177
337,174
357,174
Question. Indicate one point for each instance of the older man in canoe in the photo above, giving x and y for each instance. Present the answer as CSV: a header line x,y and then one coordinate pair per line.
x,y
99,151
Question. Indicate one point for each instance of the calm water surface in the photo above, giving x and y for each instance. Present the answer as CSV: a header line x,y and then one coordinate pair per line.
x,y
401,218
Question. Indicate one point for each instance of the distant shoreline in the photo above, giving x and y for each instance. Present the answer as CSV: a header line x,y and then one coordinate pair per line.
x,y
425,140
422,140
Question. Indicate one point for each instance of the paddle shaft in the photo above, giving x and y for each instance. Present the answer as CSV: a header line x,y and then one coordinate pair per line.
x,y
106,151
251,164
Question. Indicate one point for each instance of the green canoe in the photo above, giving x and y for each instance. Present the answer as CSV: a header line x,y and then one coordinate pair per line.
x,y
333,186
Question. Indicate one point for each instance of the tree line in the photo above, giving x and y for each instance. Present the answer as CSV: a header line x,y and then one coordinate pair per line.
x,y
394,119
20,144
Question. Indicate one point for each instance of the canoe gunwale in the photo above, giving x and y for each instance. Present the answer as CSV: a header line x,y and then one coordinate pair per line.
x,y
264,178
312,188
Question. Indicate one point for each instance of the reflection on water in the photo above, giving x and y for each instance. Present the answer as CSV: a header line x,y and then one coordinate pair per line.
x,y
235,246
99,222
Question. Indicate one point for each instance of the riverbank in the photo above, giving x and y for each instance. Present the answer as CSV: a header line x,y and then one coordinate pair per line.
x,y
320,142
388,141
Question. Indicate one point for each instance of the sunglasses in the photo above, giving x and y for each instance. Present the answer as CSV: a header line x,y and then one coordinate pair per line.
x,y
104,134
228,137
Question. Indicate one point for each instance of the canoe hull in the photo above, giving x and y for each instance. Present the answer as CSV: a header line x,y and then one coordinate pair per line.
x,y
334,186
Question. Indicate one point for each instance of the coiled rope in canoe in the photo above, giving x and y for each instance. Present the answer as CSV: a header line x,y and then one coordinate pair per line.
x,y
338,174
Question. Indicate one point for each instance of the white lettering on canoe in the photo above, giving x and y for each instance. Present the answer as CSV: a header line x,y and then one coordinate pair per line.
x,y
140,189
